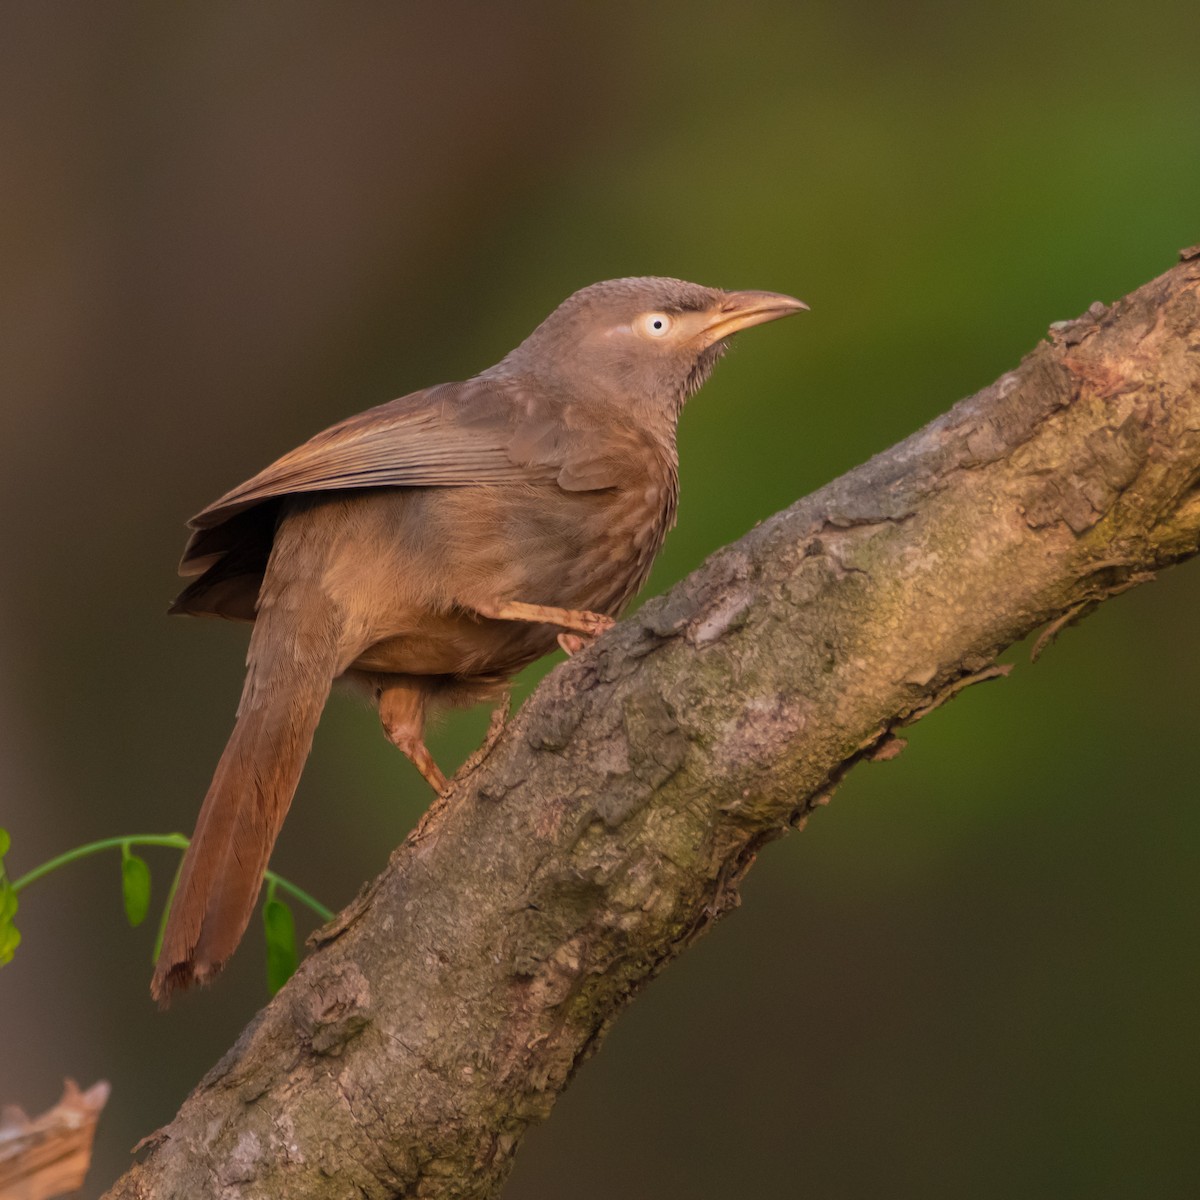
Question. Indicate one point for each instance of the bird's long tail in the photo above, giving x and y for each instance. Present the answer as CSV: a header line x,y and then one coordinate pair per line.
x,y
290,670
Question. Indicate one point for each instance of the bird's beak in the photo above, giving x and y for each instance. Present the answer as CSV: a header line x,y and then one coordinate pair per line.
x,y
740,310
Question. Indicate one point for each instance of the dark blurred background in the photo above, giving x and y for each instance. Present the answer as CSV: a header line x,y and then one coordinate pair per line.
x,y
223,227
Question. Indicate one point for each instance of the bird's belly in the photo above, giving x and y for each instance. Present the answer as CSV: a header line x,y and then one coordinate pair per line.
x,y
480,547
460,646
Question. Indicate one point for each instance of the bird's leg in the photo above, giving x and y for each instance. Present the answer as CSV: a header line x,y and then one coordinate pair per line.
x,y
572,643
402,714
496,725
494,731
577,620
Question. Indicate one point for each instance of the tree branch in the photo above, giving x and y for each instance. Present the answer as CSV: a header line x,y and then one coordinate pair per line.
x,y
449,1005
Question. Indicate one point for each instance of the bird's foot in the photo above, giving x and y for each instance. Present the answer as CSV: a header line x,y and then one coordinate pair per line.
x,y
418,754
495,730
577,620
498,722
402,715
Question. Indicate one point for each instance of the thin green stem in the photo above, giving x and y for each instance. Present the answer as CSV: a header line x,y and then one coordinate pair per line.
x,y
174,841
166,912
326,914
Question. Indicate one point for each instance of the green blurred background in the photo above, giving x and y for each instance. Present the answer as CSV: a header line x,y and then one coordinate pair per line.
x,y
224,226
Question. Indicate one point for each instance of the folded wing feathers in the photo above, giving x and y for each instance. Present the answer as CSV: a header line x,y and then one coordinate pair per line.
x,y
452,436
420,449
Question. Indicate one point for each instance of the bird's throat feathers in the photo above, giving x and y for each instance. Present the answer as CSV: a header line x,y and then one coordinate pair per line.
x,y
702,370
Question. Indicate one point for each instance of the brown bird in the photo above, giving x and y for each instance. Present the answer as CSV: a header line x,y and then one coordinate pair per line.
x,y
429,548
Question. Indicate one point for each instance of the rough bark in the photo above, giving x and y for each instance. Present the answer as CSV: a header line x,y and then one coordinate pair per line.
x,y
446,1009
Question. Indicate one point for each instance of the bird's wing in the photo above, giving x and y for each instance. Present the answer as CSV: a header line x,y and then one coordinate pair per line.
x,y
447,436
483,431
480,431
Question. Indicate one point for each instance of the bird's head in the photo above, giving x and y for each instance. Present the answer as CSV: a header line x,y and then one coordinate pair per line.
x,y
642,343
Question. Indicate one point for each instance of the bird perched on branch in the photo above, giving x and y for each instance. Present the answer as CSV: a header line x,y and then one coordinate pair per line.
x,y
430,548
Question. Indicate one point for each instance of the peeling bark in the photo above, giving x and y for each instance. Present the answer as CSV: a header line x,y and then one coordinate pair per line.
x,y
444,1011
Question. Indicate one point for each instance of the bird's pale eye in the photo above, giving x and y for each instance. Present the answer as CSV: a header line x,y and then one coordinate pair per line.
x,y
654,325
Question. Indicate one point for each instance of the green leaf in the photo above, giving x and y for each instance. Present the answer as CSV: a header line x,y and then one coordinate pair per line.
x,y
135,886
280,928
5,841
10,939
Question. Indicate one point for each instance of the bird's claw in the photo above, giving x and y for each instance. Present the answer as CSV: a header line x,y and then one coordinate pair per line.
x,y
495,730
594,624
